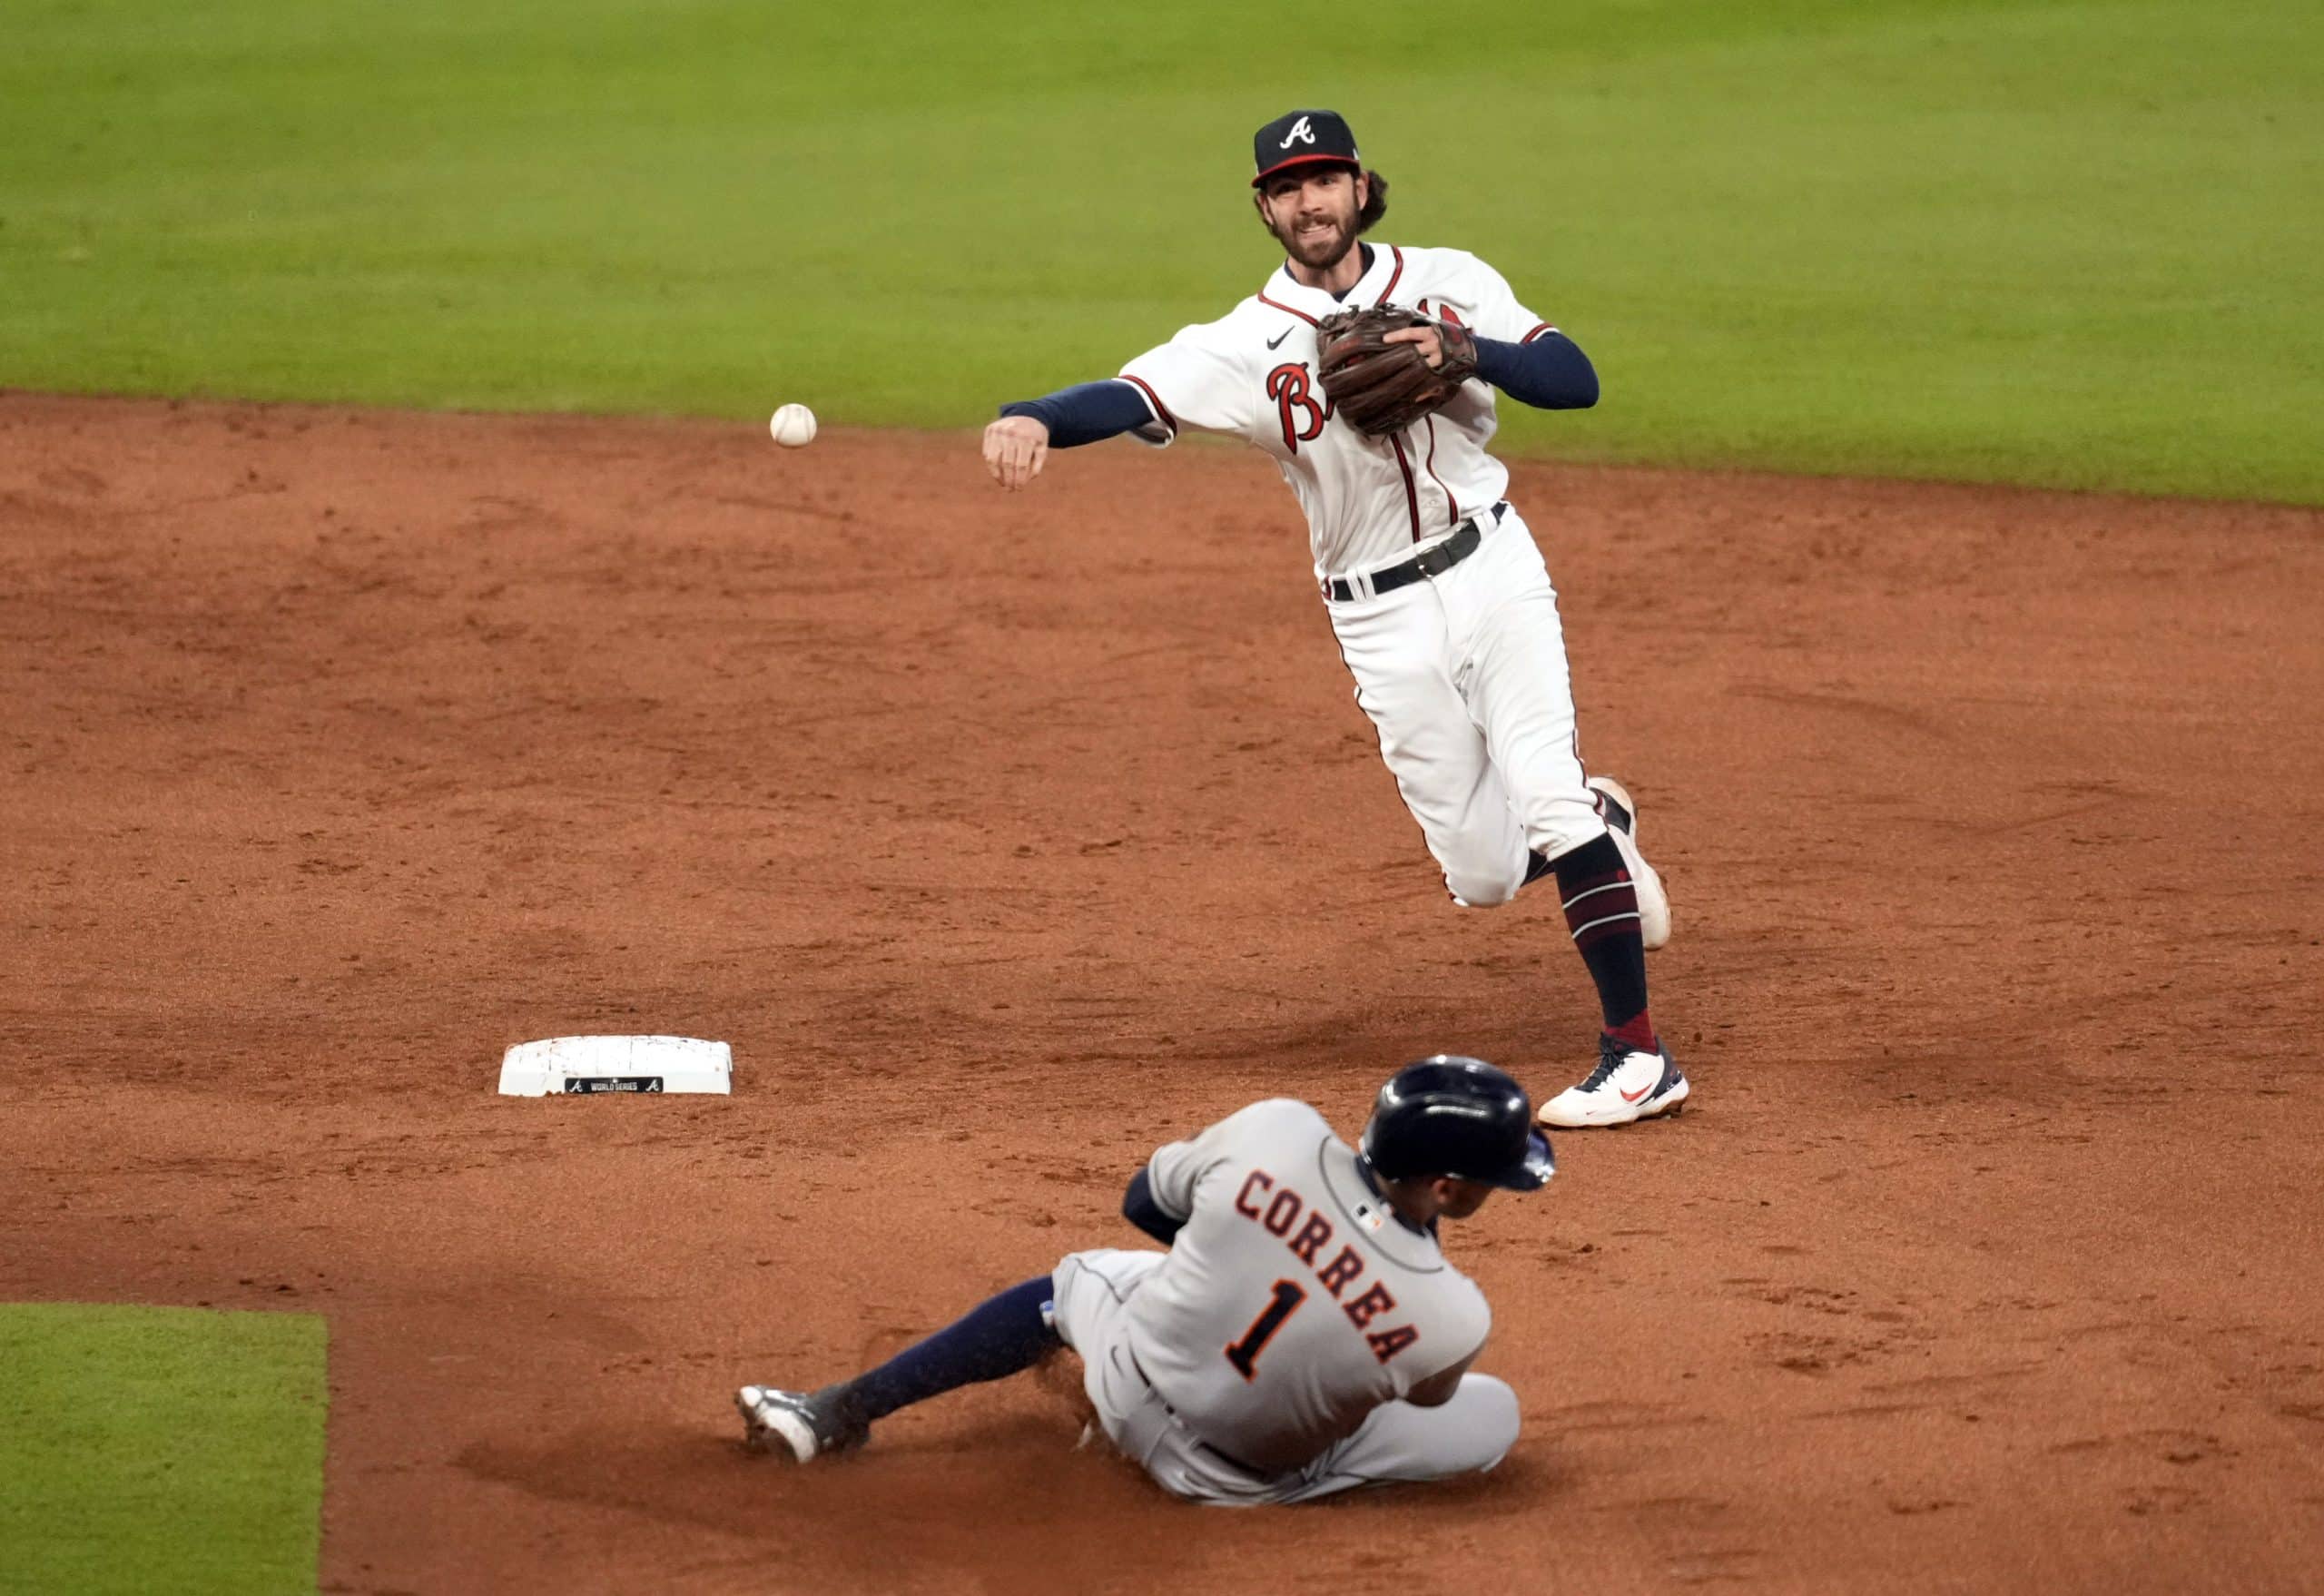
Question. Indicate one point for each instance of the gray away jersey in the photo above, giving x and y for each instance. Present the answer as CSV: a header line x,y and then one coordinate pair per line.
x,y
1295,1301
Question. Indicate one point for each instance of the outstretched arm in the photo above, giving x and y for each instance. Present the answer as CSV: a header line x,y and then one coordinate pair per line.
x,y
1016,445
1088,412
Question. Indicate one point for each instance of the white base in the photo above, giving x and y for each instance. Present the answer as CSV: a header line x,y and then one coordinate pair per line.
x,y
578,1064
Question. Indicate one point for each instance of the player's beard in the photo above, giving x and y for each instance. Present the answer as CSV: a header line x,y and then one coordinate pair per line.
x,y
1321,251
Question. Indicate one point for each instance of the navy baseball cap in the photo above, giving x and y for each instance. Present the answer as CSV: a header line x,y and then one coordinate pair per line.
x,y
1297,138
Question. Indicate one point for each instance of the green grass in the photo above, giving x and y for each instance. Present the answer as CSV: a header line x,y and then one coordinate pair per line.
x,y
2063,243
159,1449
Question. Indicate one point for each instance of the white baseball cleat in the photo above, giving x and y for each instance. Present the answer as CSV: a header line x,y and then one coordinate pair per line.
x,y
797,1424
1621,820
1629,1084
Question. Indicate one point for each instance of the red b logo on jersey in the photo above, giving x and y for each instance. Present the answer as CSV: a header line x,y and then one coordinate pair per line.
x,y
1303,418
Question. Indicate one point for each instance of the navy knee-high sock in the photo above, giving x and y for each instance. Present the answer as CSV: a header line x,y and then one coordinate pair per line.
x,y
998,1337
1601,912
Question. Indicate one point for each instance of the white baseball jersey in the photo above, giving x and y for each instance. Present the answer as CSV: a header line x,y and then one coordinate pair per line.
x,y
1294,1302
1368,501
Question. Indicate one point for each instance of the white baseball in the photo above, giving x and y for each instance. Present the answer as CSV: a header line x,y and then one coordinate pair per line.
x,y
793,427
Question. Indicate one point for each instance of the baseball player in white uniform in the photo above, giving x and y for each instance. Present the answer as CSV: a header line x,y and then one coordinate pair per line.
x,y
1440,599
1304,1334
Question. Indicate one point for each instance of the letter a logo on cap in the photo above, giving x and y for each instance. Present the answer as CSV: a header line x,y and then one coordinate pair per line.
x,y
1298,137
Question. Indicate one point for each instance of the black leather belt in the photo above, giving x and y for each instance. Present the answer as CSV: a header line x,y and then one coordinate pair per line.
x,y
1429,562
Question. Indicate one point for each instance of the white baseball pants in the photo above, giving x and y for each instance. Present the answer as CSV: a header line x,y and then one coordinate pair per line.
x,y
1463,675
1397,1443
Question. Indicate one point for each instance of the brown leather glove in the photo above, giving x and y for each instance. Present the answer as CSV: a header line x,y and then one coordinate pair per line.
x,y
1382,387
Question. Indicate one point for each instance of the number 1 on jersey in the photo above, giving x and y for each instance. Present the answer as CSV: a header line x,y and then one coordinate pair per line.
x,y
1245,1353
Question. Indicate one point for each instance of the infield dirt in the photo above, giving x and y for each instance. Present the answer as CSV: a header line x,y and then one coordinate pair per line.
x,y
1005,837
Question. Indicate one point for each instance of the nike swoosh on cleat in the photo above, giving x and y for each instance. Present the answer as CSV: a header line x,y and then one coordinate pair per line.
x,y
1277,340
1634,1096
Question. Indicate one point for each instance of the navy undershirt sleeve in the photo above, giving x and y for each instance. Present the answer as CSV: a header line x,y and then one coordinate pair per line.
x,y
1088,412
1141,1209
1550,373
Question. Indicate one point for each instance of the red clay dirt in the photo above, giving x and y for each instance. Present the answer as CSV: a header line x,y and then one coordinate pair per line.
x,y
1005,837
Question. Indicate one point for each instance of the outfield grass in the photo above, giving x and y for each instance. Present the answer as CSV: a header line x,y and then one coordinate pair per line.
x,y
2072,244
159,1449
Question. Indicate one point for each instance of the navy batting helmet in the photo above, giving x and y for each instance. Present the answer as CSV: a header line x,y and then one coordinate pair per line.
x,y
1458,1116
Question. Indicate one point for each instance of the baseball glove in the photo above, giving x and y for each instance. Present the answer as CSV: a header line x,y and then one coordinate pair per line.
x,y
1382,387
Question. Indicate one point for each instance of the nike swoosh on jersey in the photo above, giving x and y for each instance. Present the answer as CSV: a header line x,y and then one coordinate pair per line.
x,y
1277,340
